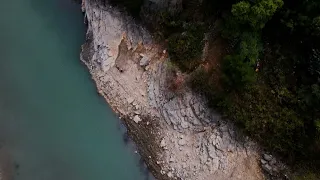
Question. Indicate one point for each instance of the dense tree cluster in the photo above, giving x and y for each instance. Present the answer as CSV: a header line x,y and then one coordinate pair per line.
x,y
271,80
289,74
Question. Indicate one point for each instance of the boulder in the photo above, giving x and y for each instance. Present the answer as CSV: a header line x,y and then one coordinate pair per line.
x,y
263,161
182,142
137,119
144,61
163,143
267,157
130,100
267,168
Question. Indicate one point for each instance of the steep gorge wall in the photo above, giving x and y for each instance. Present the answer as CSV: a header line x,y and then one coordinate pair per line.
x,y
178,136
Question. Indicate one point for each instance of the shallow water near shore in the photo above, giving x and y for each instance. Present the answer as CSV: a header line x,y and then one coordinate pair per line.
x,y
52,121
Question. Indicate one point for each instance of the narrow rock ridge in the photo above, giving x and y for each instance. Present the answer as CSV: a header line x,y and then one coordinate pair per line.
x,y
178,136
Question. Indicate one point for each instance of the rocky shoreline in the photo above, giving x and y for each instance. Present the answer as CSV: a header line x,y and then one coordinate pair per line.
x,y
176,134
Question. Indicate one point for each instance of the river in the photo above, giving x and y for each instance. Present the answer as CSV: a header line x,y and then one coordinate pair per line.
x,y
52,122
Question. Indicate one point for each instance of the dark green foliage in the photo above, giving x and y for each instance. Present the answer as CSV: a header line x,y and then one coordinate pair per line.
x,y
186,46
184,33
132,6
238,72
309,176
202,82
250,46
262,115
279,98
248,16
255,14
295,59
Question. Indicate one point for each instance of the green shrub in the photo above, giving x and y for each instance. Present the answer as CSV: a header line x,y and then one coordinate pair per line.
x,y
237,72
260,113
186,47
202,82
307,176
132,6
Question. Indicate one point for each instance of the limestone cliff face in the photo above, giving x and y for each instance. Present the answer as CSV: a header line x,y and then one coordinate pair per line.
x,y
178,136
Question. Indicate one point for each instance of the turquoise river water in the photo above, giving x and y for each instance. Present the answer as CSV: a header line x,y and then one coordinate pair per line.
x,y
52,121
